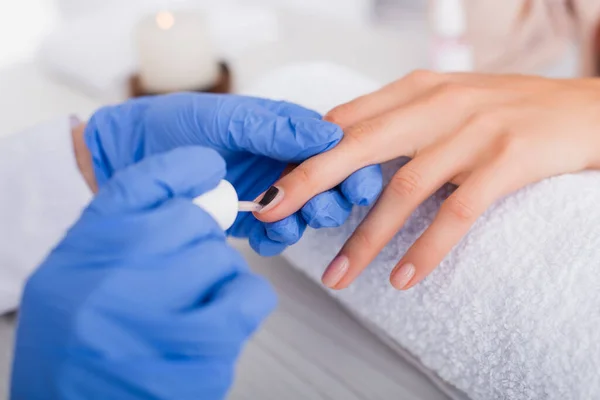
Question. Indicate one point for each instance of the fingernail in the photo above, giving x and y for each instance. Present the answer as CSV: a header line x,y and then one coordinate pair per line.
x,y
270,199
402,276
336,271
74,121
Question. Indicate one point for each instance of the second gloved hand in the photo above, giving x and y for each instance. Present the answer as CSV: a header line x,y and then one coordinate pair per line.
x,y
143,298
258,139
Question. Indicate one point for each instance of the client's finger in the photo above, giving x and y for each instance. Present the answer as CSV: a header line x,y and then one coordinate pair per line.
x,y
316,175
398,94
411,185
456,216
389,97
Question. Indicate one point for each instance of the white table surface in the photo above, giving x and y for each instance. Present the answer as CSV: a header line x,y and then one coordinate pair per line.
x,y
310,348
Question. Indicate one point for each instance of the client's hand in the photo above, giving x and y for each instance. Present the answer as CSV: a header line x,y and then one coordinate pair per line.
x,y
490,135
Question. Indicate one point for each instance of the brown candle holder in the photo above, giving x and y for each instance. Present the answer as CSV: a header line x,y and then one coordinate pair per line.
x,y
223,85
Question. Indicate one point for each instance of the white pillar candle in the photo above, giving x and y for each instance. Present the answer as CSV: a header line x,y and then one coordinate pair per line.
x,y
175,52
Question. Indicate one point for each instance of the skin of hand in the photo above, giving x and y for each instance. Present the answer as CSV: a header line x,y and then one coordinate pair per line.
x,y
258,138
83,157
489,134
143,298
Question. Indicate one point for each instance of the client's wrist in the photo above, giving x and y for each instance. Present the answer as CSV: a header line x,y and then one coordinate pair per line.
x,y
83,155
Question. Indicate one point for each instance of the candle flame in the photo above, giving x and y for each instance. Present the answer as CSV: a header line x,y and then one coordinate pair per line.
x,y
165,20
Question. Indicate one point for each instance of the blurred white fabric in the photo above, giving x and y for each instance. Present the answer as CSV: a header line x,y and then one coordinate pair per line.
x,y
306,83
23,24
42,194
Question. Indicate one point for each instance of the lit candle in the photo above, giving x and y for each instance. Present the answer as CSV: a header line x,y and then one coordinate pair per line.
x,y
175,52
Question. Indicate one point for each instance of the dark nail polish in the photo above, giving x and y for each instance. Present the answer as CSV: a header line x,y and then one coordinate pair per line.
x,y
269,196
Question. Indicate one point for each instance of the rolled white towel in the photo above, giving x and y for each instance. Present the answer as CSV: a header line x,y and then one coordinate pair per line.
x,y
513,312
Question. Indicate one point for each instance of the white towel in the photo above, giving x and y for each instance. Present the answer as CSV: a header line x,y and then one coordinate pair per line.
x,y
513,312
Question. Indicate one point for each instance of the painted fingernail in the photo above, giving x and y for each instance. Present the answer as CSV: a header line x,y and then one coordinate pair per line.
x,y
402,276
270,199
336,271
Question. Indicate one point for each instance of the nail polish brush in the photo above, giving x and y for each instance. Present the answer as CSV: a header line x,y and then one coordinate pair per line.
x,y
223,204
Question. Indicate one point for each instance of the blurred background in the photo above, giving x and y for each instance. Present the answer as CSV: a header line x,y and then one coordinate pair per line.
x,y
28,22
59,56
70,56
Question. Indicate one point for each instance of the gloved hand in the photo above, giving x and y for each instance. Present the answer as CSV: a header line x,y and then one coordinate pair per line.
x,y
257,138
143,299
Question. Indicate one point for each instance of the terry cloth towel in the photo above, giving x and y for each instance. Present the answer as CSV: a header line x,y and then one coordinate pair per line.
x,y
513,312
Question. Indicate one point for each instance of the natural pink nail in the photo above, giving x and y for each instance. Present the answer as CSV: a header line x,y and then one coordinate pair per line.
x,y
336,271
402,276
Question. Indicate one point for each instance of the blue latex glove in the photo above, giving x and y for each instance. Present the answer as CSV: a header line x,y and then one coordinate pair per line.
x,y
258,138
143,299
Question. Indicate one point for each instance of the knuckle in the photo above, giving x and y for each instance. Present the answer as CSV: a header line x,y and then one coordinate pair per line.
x,y
512,144
452,93
362,131
423,77
340,114
362,240
459,208
305,175
360,138
407,182
486,121
456,95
